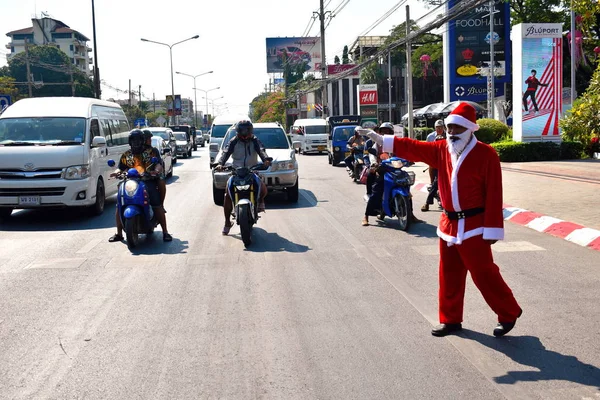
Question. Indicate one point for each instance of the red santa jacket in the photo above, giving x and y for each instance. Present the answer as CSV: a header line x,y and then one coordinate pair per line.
x,y
475,182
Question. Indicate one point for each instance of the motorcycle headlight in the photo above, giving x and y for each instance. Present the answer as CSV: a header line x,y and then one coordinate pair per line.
x,y
243,187
131,187
77,172
336,148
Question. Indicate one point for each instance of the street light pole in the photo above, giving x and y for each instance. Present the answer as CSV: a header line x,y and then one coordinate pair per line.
x,y
195,100
206,96
96,71
212,101
170,46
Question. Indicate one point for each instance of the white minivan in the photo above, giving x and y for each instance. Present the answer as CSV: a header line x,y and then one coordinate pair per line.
x,y
218,129
54,153
311,133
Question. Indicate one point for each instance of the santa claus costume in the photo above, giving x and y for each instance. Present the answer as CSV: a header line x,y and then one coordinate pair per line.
x,y
470,188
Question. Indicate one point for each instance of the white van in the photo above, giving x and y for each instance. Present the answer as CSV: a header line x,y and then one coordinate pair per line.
x,y
54,153
312,133
218,130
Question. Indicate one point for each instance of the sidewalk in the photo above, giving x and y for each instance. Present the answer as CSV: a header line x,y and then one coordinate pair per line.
x,y
557,197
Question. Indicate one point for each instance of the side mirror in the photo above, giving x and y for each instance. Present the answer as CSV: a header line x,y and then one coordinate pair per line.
x,y
111,163
99,141
214,147
167,150
296,145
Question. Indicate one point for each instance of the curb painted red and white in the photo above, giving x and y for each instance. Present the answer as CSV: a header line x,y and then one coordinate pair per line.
x,y
570,231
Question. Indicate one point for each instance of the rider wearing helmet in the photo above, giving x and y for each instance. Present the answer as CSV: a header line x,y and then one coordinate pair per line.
x,y
244,149
162,186
140,158
353,143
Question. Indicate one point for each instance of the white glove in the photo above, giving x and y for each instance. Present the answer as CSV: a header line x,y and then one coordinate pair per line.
x,y
377,138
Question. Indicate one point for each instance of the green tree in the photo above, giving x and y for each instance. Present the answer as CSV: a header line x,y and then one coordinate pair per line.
x,y
547,11
50,65
7,86
345,58
144,106
336,60
132,113
269,107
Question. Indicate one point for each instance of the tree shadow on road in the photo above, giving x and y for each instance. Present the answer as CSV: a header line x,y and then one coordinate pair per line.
x,y
271,242
529,351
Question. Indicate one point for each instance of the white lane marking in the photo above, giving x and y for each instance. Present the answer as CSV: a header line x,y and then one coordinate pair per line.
x,y
91,244
583,236
542,223
56,263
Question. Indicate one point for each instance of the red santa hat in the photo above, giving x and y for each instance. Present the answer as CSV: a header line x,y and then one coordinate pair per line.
x,y
464,115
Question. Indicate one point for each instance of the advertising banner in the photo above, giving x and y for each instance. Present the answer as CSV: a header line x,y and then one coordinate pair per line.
x,y
298,52
368,101
537,89
169,101
339,68
468,49
177,104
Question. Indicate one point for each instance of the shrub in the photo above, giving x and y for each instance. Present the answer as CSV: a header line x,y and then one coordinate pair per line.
x,y
421,133
491,130
571,150
523,152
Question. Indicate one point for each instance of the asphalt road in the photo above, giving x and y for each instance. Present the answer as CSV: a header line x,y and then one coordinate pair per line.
x,y
318,308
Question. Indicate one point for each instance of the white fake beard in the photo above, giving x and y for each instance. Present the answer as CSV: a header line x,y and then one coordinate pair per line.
x,y
456,147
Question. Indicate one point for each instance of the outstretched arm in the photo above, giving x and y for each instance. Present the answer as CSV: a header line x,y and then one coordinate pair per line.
x,y
409,149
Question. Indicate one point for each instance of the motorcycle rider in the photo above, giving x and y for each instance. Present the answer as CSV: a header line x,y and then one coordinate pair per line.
x,y
355,141
245,149
140,158
162,185
440,134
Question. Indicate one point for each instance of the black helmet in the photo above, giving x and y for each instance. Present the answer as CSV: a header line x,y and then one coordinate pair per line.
x,y
136,141
244,129
147,134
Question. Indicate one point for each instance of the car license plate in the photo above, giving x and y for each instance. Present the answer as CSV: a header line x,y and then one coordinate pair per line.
x,y
321,148
29,200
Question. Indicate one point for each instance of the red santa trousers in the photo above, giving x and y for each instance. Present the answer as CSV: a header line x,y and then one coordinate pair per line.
x,y
473,255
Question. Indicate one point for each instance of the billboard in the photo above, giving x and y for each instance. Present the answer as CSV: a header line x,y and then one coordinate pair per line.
x,y
304,52
468,52
169,101
537,90
367,101
177,104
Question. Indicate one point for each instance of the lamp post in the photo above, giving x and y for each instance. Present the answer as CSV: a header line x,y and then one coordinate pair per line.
x,y
195,101
212,101
96,71
170,46
206,94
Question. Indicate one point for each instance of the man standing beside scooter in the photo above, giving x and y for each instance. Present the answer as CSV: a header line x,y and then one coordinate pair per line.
x,y
354,143
440,134
140,158
470,184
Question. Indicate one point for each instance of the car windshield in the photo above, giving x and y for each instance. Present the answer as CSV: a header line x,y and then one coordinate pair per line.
x,y
218,131
342,134
180,128
315,129
42,131
162,134
271,138
180,136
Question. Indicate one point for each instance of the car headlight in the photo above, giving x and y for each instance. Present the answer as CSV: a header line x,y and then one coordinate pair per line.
x,y
336,148
131,187
285,165
243,187
77,172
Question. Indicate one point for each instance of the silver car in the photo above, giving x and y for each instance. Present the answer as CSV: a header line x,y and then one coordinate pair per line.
x,y
283,172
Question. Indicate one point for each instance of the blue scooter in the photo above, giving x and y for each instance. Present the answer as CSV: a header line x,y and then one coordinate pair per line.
x,y
133,204
396,190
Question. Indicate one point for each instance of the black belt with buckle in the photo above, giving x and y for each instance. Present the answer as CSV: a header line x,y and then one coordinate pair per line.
x,y
455,215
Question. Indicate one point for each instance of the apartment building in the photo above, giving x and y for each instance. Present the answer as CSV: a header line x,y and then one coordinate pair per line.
x,y
49,31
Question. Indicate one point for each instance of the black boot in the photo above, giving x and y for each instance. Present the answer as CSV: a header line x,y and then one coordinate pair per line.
x,y
445,329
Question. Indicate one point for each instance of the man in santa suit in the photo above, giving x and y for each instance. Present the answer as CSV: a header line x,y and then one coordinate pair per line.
x,y
470,188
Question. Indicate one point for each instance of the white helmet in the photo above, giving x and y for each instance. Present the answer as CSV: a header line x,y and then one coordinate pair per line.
x,y
387,125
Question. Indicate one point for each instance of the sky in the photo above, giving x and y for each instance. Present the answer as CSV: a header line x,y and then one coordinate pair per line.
x,y
232,39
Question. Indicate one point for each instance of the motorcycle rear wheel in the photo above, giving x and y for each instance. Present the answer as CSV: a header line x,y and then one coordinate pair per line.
x,y
131,232
245,226
402,208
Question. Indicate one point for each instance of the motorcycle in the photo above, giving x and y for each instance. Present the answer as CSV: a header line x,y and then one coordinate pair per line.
x,y
396,201
133,206
358,165
244,191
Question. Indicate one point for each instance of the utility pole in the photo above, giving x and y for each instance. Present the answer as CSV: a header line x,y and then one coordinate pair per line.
x,y
390,86
140,94
129,93
72,81
154,101
490,79
29,83
96,70
409,88
323,61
